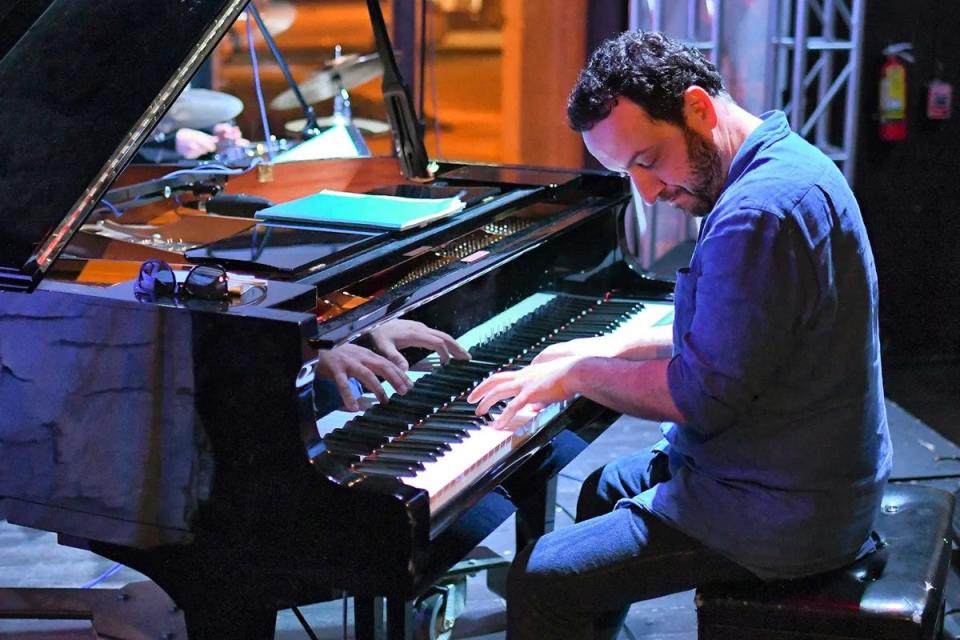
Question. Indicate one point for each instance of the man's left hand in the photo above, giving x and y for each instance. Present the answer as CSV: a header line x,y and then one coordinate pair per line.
x,y
536,384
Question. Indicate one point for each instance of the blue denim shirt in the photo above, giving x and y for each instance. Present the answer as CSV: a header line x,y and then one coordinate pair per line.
x,y
785,452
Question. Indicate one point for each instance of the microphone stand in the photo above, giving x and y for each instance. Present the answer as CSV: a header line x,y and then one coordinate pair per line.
x,y
406,127
310,129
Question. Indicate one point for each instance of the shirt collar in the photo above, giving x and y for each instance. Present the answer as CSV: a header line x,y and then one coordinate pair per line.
x,y
773,128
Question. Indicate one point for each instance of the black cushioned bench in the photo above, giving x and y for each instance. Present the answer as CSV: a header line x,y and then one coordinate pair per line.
x,y
893,594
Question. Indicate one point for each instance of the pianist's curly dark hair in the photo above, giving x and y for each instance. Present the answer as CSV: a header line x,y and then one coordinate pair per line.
x,y
649,68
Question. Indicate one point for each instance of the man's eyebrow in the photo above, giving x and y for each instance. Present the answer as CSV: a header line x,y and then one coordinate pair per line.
x,y
637,154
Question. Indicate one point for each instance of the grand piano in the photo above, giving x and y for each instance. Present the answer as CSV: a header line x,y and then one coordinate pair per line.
x,y
180,436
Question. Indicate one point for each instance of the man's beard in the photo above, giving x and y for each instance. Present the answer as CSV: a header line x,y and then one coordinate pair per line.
x,y
706,174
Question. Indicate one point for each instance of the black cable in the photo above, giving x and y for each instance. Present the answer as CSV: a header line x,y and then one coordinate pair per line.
x,y
423,57
310,129
303,622
344,621
434,99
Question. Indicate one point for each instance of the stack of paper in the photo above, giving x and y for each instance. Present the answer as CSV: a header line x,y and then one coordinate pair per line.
x,y
363,210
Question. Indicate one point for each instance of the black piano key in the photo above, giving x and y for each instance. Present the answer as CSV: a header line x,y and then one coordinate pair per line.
x,y
427,389
422,452
532,336
359,441
344,459
424,406
442,420
400,412
438,387
393,421
498,353
444,435
435,448
373,430
426,438
461,407
391,469
342,453
466,380
411,460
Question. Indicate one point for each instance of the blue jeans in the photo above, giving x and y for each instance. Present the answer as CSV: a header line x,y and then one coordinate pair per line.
x,y
579,581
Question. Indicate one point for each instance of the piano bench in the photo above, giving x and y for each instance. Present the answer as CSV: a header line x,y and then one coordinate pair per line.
x,y
896,593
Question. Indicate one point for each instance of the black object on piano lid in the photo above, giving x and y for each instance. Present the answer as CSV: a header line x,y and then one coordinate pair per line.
x,y
468,195
241,205
76,107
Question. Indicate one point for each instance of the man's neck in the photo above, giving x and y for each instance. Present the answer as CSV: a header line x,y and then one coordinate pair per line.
x,y
734,124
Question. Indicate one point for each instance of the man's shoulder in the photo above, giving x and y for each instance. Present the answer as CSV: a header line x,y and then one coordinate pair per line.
x,y
788,175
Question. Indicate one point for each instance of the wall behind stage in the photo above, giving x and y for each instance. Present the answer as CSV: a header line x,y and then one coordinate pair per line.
x,y
910,191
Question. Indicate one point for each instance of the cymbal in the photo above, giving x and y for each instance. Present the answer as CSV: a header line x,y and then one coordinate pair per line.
x,y
277,17
351,70
365,125
199,108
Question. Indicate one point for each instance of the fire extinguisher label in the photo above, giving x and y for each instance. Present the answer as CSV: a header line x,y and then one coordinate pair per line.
x,y
893,94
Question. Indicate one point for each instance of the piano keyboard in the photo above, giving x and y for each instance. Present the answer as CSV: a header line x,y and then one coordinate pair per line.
x,y
430,437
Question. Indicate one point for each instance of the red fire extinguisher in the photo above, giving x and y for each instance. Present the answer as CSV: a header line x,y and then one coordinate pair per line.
x,y
893,92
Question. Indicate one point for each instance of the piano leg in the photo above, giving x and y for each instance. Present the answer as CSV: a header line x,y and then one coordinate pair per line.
x,y
533,488
368,616
377,618
220,593
536,515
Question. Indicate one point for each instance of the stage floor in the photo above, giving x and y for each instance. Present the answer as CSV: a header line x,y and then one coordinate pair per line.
x,y
30,558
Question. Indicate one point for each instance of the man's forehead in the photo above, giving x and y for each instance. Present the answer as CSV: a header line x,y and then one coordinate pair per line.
x,y
627,132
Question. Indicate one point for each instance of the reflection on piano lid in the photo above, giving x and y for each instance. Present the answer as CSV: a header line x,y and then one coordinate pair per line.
x,y
66,85
285,248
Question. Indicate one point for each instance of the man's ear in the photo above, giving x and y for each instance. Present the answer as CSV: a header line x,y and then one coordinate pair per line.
x,y
699,109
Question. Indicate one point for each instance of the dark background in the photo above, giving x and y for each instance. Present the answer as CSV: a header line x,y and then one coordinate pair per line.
x,y
909,190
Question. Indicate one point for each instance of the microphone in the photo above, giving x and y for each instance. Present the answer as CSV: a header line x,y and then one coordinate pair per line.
x,y
407,129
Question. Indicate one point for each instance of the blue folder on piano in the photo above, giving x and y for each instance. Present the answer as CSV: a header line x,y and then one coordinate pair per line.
x,y
363,210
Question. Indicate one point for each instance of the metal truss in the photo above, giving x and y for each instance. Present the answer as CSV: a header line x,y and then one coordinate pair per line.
x,y
683,20
698,23
817,55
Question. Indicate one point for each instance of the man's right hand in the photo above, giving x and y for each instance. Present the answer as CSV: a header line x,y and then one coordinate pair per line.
x,y
353,361
650,344
601,346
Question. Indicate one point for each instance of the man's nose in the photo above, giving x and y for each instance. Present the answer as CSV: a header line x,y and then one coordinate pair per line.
x,y
647,184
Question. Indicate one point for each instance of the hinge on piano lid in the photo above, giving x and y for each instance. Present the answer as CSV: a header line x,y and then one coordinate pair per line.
x,y
198,183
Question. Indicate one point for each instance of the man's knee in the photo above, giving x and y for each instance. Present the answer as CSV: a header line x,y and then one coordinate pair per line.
x,y
591,502
623,478
538,604
526,582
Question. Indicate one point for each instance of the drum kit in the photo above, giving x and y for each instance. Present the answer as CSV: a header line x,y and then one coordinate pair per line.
x,y
203,108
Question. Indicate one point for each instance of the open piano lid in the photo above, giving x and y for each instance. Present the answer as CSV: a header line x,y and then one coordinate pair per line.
x,y
82,84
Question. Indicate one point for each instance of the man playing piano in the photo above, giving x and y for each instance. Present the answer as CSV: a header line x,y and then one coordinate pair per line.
x,y
776,448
